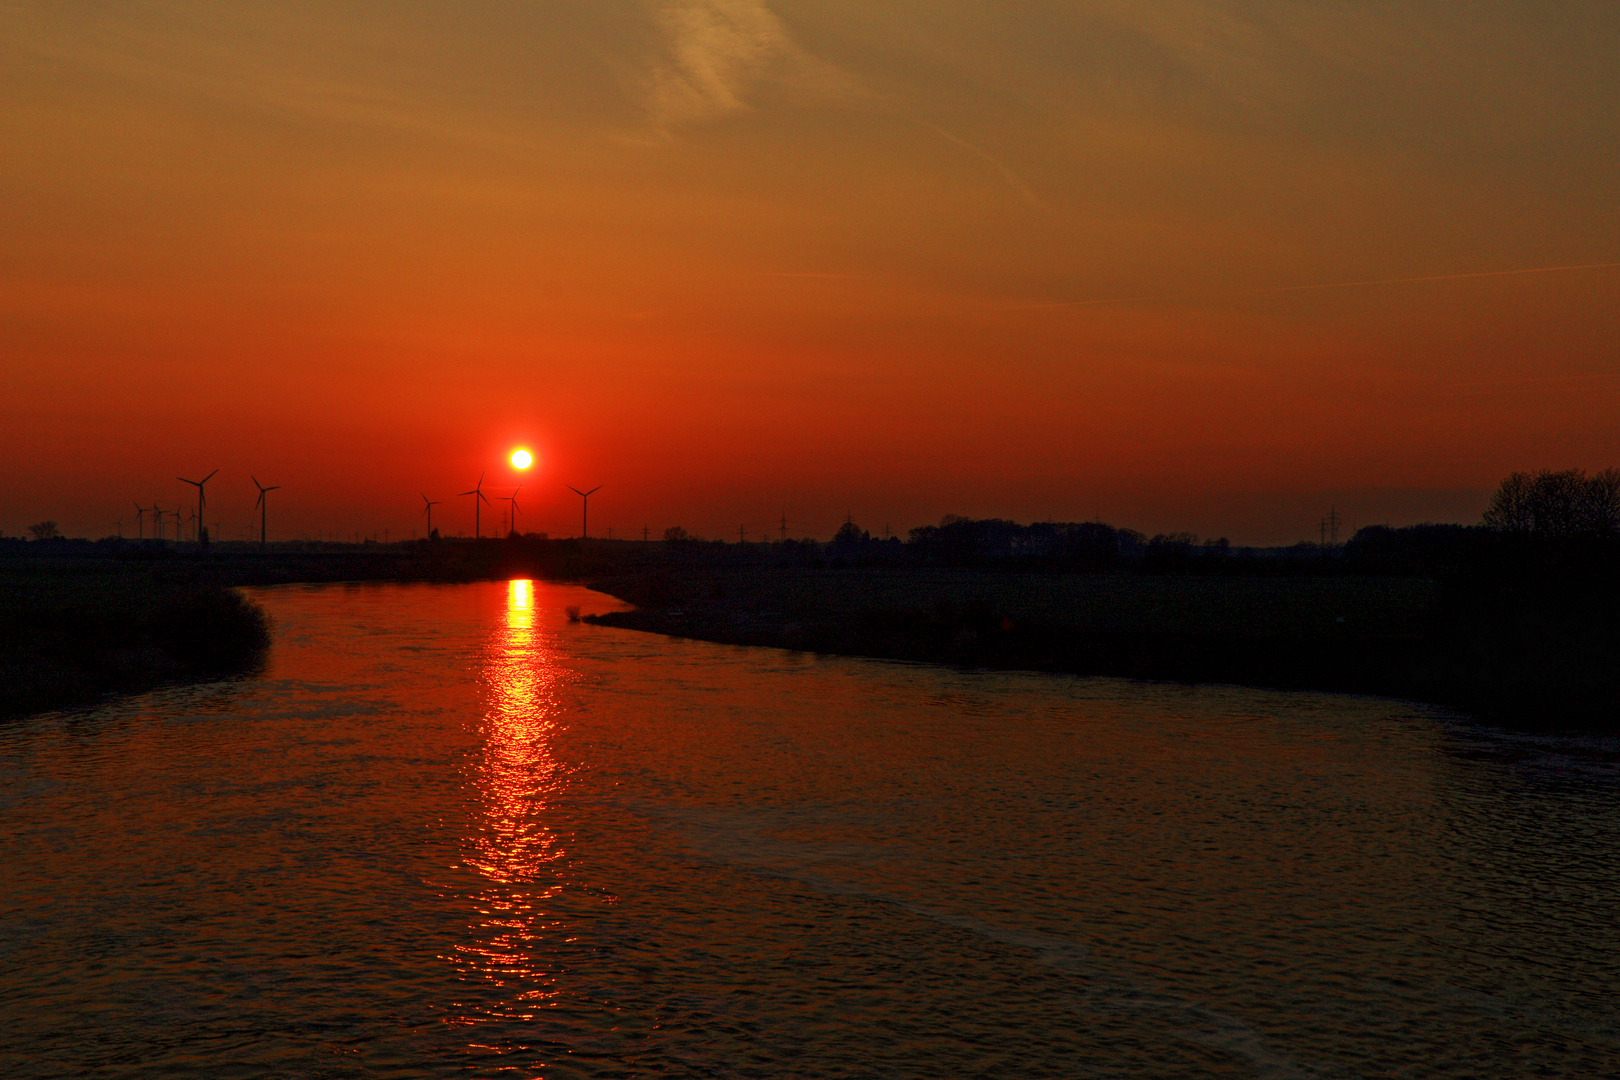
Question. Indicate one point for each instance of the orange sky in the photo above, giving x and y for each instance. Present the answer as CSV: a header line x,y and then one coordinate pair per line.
x,y
733,258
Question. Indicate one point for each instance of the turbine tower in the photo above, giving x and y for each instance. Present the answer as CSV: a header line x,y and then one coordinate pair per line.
x,y
512,498
477,491
585,510
157,518
263,505
428,510
140,520
202,500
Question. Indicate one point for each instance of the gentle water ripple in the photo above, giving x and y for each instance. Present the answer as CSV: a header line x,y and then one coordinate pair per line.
x,y
449,833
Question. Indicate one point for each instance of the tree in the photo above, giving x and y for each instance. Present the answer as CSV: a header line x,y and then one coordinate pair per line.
x,y
1510,506
674,535
1557,505
849,534
44,530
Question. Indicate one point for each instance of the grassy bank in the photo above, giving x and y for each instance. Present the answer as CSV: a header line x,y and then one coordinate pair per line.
x,y
1517,645
71,633
80,621
1528,654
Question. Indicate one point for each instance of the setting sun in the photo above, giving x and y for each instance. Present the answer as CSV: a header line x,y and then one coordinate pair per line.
x,y
521,459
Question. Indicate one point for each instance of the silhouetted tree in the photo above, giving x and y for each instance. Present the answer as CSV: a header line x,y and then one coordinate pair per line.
x,y
1557,505
1416,549
675,536
44,530
849,534
1170,551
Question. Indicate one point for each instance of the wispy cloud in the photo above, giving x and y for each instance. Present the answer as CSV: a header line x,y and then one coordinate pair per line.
x,y
718,50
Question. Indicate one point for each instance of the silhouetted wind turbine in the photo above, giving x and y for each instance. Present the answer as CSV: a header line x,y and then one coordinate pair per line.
x,y
157,518
428,510
140,520
263,505
202,500
512,498
479,492
585,509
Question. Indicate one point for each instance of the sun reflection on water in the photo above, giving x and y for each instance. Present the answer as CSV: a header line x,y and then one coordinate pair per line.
x,y
511,846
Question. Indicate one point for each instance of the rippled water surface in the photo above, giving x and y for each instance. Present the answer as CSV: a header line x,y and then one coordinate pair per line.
x,y
447,832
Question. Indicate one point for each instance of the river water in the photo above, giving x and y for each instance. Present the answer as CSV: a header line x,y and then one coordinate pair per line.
x,y
448,832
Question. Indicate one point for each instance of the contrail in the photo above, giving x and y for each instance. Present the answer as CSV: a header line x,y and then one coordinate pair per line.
x,y
1007,174
1443,277
807,274
1327,285
1545,378
1076,303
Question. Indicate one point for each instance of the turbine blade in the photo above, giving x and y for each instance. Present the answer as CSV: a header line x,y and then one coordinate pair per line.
x,y
210,476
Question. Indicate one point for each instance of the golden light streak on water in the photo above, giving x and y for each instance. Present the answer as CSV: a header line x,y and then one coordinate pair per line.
x,y
512,845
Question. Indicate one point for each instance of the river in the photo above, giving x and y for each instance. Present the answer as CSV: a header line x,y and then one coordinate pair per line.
x,y
448,832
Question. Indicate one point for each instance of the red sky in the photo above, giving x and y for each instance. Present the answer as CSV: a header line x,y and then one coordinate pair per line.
x,y
733,259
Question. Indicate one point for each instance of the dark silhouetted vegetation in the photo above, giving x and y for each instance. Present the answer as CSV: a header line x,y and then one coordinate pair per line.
x,y
1516,619
71,632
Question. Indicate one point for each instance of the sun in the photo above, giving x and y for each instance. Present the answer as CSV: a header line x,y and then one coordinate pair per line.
x,y
522,459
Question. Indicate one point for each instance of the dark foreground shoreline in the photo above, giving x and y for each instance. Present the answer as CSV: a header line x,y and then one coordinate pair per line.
x,y
1541,654
1523,658
71,639
80,622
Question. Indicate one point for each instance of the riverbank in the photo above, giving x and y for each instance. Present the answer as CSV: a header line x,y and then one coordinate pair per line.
x,y
79,621
72,634
1523,657
1522,649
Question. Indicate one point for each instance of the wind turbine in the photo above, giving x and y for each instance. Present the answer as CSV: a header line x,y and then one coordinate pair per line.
x,y
512,498
202,500
140,520
428,510
479,492
585,510
157,517
263,505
